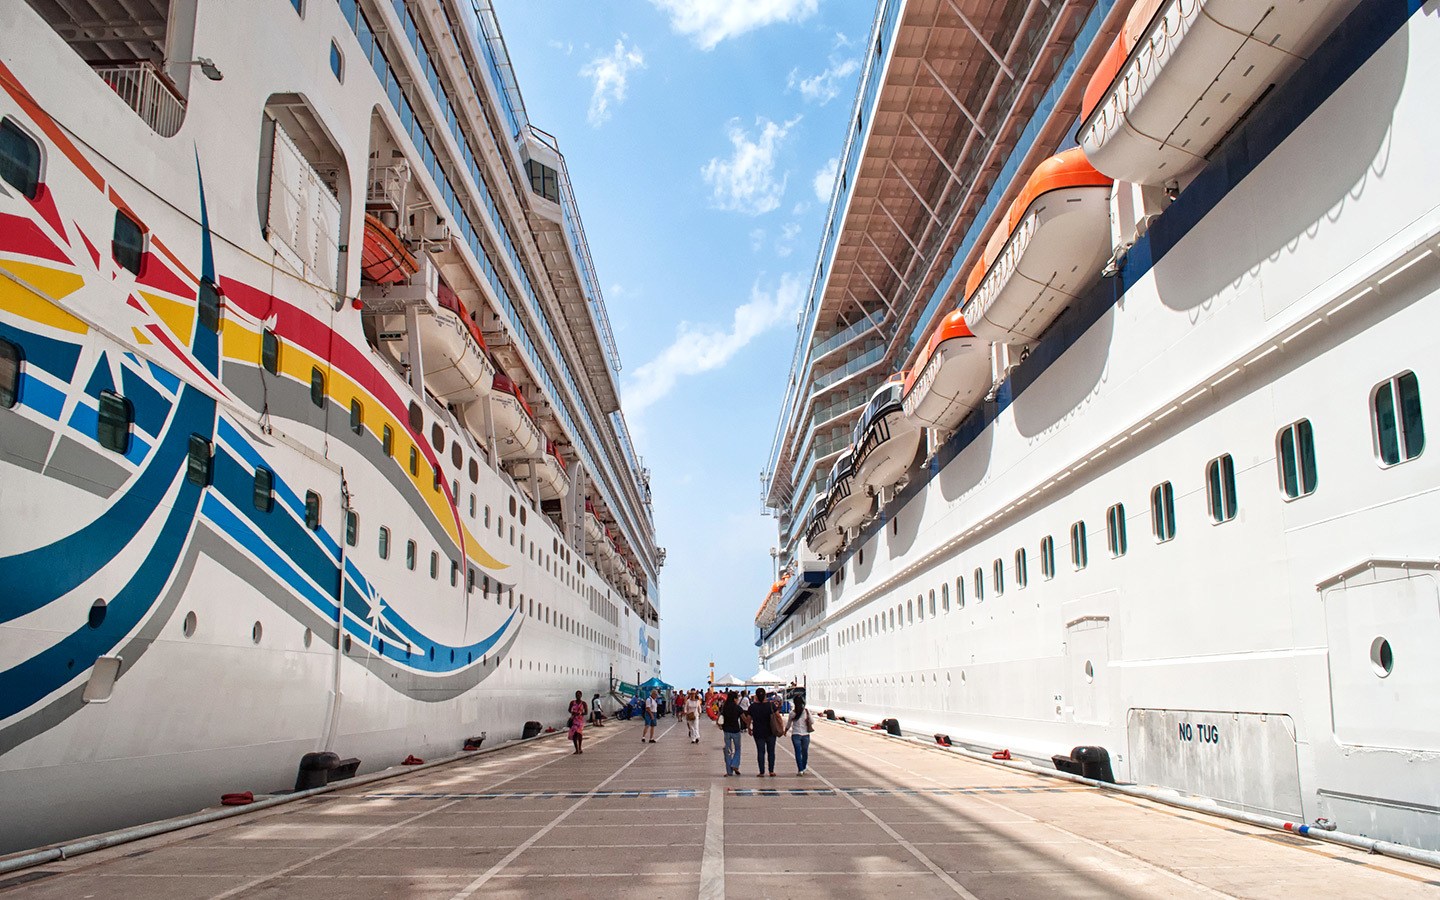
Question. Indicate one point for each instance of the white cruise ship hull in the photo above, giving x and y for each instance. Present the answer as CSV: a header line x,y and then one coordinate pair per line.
x,y
1239,661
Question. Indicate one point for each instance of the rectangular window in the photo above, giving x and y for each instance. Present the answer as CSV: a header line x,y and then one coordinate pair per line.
x,y
979,576
1022,571
264,492
434,564
1399,425
414,461
1162,511
1047,557
270,351
112,424
1295,456
317,386
197,463
454,573
312,510
357,415
352,527
384,542
1220,486
10,359
1079,550
470,581
1115,530
19,159
410,555
127,245
387,440
997,570
209,305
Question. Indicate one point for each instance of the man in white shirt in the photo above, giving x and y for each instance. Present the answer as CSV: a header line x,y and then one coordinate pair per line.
x,y
652,711
744,701
597,716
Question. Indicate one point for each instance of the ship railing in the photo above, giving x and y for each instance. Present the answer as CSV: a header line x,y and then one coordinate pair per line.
x,y
148,91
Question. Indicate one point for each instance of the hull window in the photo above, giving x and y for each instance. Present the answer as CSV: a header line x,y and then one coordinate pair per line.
x,y
312,510
10,359
410,555
127,246
1295,455
1047,557
19,159
352,527
1220,486
1115,530
1022,569
384,542
1162,511
979,577
1399,426
264,493
998,570
209,306
197,463
112,425
387,440
1079,549
357,415
317,386
270,351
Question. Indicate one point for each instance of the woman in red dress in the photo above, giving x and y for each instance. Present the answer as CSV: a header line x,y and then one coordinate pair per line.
x,y
578,711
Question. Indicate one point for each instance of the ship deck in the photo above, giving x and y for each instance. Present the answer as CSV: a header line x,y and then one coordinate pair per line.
x,y
874,817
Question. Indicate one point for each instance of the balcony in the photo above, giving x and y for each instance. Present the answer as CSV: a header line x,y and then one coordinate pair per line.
x,y
147,90
858,364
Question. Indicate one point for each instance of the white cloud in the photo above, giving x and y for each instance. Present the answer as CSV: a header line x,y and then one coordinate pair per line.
x,y
757,239
708,22
610,74
746,181
825,86
824,182
786,245
698,349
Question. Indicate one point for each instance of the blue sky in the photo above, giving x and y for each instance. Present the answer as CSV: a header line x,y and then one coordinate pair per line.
x,y
701,137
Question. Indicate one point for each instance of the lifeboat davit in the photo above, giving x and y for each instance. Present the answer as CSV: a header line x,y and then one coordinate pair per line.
x,y
821,537
951,377
550,472
1182,73
849,504
1048,249
516,434
384,258
457,368
885,438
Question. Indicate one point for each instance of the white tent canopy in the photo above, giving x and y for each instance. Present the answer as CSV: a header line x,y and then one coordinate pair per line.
x,y
728,680
765,677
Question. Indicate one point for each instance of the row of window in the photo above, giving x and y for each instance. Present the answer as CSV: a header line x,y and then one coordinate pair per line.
x,y
1398,430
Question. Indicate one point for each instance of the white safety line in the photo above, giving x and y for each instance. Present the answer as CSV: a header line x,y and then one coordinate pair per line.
x,y
469,889
712,864
369,835
910,848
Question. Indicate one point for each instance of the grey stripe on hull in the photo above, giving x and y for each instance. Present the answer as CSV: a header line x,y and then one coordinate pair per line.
x,y
206,540
286,399
26,443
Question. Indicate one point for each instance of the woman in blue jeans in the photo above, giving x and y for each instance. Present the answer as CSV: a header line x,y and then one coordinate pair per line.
x,y
732,721
802,725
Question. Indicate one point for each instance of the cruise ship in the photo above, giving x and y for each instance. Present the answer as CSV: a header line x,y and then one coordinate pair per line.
x,y
1105,426
310,433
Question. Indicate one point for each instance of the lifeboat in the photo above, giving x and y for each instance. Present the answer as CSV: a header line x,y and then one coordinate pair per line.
x,y
821,537
885,438
457,369
765,616
384,258
951,377
1182,73
1049,248
550,472
848,505
594,531
516,434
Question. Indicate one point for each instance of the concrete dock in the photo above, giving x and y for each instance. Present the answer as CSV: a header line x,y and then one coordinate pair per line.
x,y
874,817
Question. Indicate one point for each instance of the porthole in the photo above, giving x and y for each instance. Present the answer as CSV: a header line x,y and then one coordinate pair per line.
x,y
437,438
1089,672
188,626
346,643
417,418
512,506
256,632
1382,657
97,613
309,636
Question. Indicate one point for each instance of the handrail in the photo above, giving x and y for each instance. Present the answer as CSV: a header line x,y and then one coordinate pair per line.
x,y
147,90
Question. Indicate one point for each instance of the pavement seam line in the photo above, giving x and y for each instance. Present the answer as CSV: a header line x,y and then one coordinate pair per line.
x,y
895,836
469,890
712,864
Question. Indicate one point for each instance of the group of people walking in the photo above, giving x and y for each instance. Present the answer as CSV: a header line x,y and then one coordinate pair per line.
x,y
735,714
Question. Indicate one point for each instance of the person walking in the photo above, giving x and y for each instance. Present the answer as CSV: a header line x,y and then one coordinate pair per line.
x,y
597,715
802,725
732,722
764,714
652,706
578,711
692,716
745,700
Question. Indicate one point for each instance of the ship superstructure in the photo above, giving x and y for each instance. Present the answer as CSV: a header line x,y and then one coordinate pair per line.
x,y
1104,427
309,423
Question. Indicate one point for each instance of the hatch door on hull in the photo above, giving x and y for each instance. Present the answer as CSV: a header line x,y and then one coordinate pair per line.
x,y
1383,635
1087,669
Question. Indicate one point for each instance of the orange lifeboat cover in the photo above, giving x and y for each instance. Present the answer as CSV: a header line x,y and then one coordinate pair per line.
x,y
503,383
951,327
384,258
1136,23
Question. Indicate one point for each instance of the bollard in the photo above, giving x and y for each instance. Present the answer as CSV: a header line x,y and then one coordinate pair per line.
x,y
315,770
532,728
